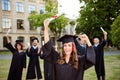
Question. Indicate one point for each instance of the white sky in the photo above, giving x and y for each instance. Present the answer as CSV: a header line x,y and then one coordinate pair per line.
x,y
69,7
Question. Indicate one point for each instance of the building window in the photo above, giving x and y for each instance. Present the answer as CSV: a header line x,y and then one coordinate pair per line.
x,y
53,39
31,8
6,5
31,25
19,7
6,23
5,41
20,24
42,41
42,9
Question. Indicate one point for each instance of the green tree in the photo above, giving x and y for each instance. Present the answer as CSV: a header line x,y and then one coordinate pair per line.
x,y
56,26
95,14
72,23
115,32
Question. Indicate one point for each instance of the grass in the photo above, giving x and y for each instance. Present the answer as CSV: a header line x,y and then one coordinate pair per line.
x,y
5,65
4,52
112,66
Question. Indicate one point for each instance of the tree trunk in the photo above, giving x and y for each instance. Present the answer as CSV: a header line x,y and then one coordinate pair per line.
x,y
57,44
118,47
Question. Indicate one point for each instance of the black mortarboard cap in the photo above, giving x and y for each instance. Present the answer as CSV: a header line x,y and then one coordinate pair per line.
x,y
35,39
97,37
19,41
67,38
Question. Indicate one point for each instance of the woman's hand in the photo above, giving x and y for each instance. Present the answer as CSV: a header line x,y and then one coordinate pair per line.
x,y
46,23
7,36
38,44
85,38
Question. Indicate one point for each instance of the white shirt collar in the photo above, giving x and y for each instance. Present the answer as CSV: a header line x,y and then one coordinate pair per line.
x,y
34,47
96,45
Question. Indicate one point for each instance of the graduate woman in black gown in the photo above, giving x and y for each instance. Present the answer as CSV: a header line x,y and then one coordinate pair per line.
x,y
47,66
66,64
18,59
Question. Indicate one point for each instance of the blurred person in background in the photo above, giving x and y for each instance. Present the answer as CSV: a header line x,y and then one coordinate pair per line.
x,y
33,52
18,59
99,51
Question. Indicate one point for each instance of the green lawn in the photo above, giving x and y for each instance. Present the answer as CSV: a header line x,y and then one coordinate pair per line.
x,y
112,65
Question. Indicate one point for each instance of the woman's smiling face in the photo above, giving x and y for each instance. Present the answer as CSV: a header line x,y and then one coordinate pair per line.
x,y
67,47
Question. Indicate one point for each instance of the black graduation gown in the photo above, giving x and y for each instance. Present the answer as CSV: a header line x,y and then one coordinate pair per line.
x,y
84,64
60,71
99,65
17,64
47,68
33,65
64,71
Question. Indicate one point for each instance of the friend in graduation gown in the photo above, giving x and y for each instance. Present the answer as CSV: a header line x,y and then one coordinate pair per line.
x,y
61,71
84,64
99,51
33,65
47,66
18,60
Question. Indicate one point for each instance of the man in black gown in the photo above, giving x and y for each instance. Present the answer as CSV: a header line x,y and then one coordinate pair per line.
x,y
99,51
33,67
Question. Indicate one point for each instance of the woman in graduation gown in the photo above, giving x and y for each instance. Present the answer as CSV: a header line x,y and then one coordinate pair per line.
x,y
66,65
47,66
18,59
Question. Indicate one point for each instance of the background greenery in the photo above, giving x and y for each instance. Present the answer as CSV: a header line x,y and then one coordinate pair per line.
x,y
112,65
93,15
100,13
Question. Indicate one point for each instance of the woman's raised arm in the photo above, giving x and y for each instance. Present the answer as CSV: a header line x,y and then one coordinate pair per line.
x,y
46,33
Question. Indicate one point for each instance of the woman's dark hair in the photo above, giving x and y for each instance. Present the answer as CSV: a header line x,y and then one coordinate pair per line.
x,y
73,58
21,44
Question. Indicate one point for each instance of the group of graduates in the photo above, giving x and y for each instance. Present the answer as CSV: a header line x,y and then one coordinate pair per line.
x,y
69,64
19,60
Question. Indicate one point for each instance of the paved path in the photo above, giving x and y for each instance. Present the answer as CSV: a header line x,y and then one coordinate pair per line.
x,y
5,56
9,56
112,52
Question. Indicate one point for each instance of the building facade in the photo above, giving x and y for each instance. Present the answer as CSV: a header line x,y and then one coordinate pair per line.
x,y
14,16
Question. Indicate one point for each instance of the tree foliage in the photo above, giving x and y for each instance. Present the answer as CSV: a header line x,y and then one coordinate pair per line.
x,y
56,26
95,14
115,32
72,22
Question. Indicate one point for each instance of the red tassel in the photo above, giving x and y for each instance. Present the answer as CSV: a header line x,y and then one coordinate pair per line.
x,y
73,47
54,16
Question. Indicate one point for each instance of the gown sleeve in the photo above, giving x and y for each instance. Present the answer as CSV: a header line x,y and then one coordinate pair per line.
x,y
24,60
90,57
28,52
41,54
103,43
83,53
81,50
10,47
49,52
